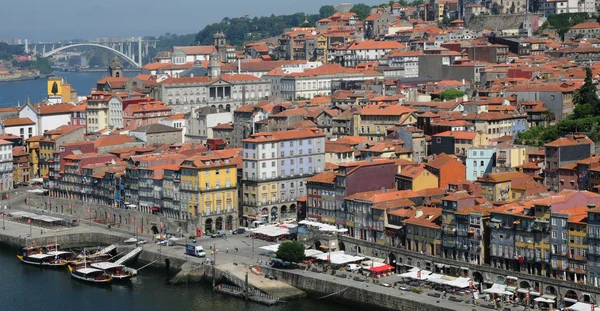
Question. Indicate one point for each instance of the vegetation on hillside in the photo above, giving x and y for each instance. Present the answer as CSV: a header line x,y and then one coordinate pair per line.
x,y
563,22
41,64
451,94
7,51
585,118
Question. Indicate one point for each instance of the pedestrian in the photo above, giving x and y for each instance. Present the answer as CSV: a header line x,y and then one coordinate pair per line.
x,y
227,250
444,294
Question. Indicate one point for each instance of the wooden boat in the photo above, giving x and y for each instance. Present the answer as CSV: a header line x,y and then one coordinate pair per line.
x,y
45,260
90,275
115,271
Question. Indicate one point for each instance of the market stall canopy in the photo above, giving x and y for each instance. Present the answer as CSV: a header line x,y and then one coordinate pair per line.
x,y
496,289
381,268
271,231
414,273
581,306
37,191
337,258
542,299
322,227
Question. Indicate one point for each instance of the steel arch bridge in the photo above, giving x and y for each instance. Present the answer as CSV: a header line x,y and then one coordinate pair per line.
x,y
127,58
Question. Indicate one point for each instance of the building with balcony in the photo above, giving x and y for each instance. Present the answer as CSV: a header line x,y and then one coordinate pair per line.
x,y
6,165
496,187
472,231
416,178
326,192
52,139
209,190
423,231
275,168
374,120
593,239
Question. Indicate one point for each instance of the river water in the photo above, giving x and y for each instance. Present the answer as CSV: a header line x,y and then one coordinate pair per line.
x,y
11,93
29,288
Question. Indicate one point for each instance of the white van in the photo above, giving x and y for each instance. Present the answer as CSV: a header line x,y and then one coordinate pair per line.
x,y
352,267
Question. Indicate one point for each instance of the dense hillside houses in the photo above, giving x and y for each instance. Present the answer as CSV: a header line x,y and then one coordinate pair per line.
x,y
461,132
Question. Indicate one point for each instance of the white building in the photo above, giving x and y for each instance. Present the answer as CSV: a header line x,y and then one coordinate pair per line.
x,y
22,127
223,91
47,117
368,51
319,81
190,54
177,121
275,168
6,165
201,121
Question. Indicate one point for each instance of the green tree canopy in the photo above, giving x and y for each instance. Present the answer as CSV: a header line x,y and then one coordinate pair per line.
x,y
361,10
326,11
451,94
291,251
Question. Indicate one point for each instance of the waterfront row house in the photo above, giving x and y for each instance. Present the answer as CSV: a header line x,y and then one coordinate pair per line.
x,y
275,168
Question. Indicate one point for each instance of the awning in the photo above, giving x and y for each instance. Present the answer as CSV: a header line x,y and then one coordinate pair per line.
x,y
534,293
495,220
440,265
393,227
523,290
581,306
549,296
542,299
495,289
570,300
512,278
464,268
154,209
381,268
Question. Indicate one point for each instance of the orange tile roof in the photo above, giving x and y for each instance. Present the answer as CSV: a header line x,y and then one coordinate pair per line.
x,y
112,140
17,122
179,116
502,177
428,218
54,109
378,196
196,50
457,135
591,25
376,45
567,141
327,177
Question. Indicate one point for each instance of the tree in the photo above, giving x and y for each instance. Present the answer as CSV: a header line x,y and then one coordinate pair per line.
x,y
361,10
451,94
54,88
291,251
587,95
326,11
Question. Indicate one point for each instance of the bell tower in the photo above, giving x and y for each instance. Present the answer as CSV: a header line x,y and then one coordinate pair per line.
x,y
214,68
115,69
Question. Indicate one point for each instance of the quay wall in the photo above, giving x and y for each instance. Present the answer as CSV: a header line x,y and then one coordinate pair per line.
x,y
144,223
351,296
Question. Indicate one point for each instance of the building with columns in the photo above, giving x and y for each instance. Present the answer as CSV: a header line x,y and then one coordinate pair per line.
x,y
223,91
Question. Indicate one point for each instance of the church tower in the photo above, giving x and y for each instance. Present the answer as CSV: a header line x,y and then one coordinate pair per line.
x,y
214,68
220,43
115,69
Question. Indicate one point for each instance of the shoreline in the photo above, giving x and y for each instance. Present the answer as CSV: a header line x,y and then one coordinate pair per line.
x,y
40,77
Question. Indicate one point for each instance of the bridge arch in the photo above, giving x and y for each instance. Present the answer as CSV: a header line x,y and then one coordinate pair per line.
x,y
127,58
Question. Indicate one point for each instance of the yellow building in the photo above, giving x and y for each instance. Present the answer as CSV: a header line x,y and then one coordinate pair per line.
x,y
416,178
64,91
33,148
97,111
209,189
496,187
508,155
423,231
322,43
578,246
375,120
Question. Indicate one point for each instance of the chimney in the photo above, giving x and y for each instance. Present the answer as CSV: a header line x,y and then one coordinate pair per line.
x,y
419,213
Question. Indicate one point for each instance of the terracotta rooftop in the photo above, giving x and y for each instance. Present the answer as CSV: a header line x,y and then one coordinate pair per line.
x,y
18,122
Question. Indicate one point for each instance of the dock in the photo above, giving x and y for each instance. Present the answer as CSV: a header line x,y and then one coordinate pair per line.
x,y
236,274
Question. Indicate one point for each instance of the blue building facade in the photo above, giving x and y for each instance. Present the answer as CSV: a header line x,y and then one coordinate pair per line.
x,y
480,161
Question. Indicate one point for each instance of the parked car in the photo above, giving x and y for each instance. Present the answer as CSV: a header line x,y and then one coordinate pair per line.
x,y
352,267
219,234
386,284
406,289
239,231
